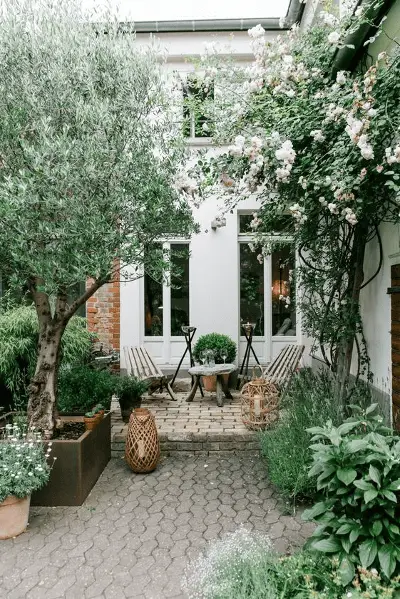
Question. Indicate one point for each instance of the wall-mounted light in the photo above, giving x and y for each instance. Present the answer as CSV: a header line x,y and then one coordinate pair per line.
x,y
218,222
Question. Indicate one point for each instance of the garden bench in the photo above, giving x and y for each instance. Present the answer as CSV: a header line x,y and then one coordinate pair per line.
x,y
140,364
281,369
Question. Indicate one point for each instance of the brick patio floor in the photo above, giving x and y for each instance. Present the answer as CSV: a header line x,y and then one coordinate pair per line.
x,y
199,427
135,533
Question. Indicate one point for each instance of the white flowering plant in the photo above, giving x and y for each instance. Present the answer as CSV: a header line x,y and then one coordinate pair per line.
x,y
24,466
358,476
319,148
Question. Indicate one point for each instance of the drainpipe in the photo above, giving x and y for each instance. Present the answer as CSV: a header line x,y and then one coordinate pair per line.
x,y
347,59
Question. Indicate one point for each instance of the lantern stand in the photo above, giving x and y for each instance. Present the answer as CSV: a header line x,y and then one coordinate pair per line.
x,y
248,329
188,333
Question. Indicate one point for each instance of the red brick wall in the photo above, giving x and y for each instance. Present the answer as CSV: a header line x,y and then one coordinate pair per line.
x,y
103,315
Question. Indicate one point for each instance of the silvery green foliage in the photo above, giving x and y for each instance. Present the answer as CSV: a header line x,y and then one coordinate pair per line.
x,y
88,148
23,462
231,567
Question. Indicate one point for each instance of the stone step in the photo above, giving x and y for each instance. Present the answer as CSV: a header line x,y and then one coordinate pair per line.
x,y
201,444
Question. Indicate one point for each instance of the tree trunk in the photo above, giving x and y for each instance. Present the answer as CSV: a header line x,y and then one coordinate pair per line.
x,y
42,389
346,345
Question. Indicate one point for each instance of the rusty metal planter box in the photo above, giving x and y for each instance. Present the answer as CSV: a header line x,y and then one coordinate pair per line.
x,y
78,466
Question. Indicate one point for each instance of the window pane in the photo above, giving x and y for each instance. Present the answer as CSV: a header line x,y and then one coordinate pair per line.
x,y
195,93
283,293
244,223
153,300
179,287
251,289
75,292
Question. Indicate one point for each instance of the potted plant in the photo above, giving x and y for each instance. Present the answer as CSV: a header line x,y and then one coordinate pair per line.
x,y
130,390
223,349
23,469
90,419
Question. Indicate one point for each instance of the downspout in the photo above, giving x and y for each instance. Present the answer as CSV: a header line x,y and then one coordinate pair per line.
x,y
347,59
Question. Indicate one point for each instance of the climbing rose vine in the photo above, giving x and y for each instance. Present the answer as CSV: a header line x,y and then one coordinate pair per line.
x,y
319,148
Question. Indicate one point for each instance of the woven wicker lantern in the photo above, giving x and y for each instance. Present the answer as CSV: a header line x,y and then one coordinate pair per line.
x,y
259,406
142,448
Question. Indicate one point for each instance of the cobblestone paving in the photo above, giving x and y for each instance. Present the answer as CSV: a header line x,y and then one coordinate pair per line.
x,y
200,416
135,533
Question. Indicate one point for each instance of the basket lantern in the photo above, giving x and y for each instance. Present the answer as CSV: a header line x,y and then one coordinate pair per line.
x,y
260,404
142,449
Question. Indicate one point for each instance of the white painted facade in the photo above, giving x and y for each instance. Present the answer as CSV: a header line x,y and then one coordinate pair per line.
x,y
214,282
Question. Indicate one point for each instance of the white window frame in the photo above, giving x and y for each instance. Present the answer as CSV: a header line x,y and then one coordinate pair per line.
x,y
268,338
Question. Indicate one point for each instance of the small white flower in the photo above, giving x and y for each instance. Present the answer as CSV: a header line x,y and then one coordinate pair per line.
x,y
257,31
341,77
334,37
317,135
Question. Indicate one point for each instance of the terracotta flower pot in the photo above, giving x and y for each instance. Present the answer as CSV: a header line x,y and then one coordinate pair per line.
x,y
99,416
14,513
210,383
91,423
142,448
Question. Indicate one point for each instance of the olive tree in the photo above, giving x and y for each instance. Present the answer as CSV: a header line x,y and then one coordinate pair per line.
x,y
88,153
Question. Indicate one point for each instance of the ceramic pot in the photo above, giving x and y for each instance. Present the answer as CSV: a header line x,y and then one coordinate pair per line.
x,y
210,383
142,448
14,513
91,423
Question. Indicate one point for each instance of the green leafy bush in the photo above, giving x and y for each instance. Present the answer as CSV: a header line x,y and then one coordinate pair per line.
x,y
130,388
218,344
18,348
358,470
309,401
81,388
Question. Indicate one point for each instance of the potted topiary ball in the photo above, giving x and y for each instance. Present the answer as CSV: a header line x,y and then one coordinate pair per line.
x,y
223,349
130,390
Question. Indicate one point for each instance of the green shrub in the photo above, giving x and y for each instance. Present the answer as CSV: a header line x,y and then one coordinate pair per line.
x,y
309,401
218,344
18,348
358,470
130,387
81,388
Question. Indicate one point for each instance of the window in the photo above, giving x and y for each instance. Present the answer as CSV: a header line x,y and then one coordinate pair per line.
x,y
195,94
282,288
166,306
251,289
258,274
282,224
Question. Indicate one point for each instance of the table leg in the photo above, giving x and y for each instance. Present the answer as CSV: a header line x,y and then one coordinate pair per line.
x,y
220,401
193,389
225,388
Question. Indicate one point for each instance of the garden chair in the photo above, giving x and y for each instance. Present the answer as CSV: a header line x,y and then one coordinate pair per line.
x,y
140,364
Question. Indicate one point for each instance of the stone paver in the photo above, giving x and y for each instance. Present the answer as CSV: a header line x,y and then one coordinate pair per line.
x,y
135,533
198,428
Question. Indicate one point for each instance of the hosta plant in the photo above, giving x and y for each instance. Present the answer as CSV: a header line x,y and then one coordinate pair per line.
x,y
23,462
358,470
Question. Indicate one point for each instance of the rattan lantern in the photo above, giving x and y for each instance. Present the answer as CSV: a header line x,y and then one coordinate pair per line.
x,y
260,404
142,448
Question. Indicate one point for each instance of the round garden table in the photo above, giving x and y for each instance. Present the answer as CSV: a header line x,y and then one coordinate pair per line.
x,y
218,370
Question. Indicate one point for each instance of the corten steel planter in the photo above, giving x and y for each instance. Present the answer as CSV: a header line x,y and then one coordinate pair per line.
x,y
14,514
78,466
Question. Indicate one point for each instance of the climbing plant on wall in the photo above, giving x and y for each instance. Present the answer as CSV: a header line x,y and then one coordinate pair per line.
x,y
319,148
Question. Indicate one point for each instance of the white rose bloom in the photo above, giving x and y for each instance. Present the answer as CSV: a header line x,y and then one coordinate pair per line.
x,y
341,77
317,135
367,152
334,37
257,31
240,141
328,18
